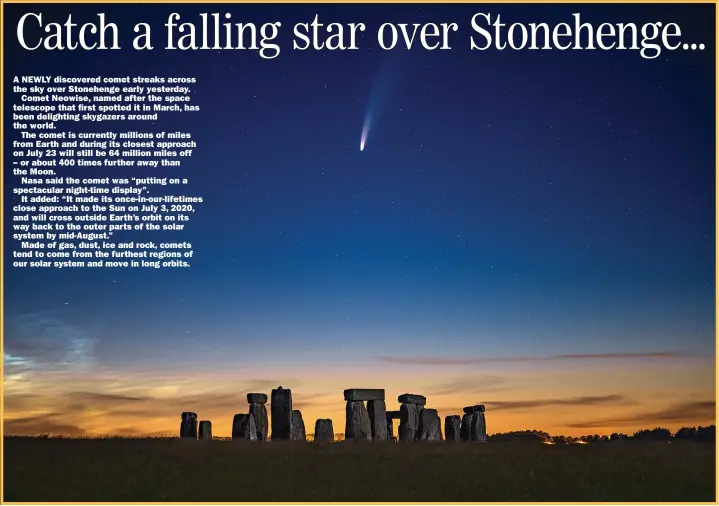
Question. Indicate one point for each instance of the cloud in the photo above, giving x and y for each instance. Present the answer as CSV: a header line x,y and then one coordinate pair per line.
x,y
99,397
312,400
42,424
689,412
549,358
586,400
128,431
263,385
120,405
20,402
16,366
469,384
44,342
86,412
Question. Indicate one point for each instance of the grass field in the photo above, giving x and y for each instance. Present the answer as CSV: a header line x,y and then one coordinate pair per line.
x,y
181,470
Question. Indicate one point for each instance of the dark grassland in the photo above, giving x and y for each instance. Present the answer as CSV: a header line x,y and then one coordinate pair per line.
x,y
179,470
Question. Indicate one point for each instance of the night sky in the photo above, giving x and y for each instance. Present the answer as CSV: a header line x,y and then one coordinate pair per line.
x,y
531,230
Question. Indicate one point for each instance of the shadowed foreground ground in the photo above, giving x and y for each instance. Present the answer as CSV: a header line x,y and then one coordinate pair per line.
x,y
176,470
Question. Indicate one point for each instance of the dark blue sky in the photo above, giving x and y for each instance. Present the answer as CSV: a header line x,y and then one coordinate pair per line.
x,y
508,204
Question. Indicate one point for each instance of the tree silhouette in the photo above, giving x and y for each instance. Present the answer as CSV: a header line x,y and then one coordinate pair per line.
x,y
656,434
707,433
686,433
522,435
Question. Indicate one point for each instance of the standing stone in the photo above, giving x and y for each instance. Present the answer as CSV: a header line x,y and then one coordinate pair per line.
x,y
281,414
412,399
243,427
364,394
298,427
478,426
257,398
188,426
259,413
409,421
324,431
390,428
465,432
205,429
429,426
358,425
485,436
452,428
378,420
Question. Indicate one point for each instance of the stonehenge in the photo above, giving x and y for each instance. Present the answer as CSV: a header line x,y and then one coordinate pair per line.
x,y
378,419
391,417
420,400
474,425
367,419
297,432
287,423
259,413
364,394
243,427
358,425
478,430
257,398
365,423
205,429
324,432
465,430
281,407
429,428
375,423
409,413
416,421
452,424
188,426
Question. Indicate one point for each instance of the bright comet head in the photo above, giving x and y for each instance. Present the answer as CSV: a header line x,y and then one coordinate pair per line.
x,y
365,131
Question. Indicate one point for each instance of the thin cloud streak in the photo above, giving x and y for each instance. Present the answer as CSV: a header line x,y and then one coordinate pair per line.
x,y
689,412
548,358
469,384
587,400
102,397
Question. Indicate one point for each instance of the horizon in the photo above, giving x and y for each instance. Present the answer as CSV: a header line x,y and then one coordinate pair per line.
x,y
339,436
514,412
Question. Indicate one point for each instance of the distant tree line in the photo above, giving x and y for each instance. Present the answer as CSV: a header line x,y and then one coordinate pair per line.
x,y
702,434
707,433
698,434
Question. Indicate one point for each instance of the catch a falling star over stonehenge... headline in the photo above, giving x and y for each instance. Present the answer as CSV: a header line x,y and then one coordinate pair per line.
x,y
217,32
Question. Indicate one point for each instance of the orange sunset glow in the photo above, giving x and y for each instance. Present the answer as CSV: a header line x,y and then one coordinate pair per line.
x,y
583,396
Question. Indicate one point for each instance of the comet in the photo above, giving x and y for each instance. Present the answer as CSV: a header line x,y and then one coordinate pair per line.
x,y
377,98
365,130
